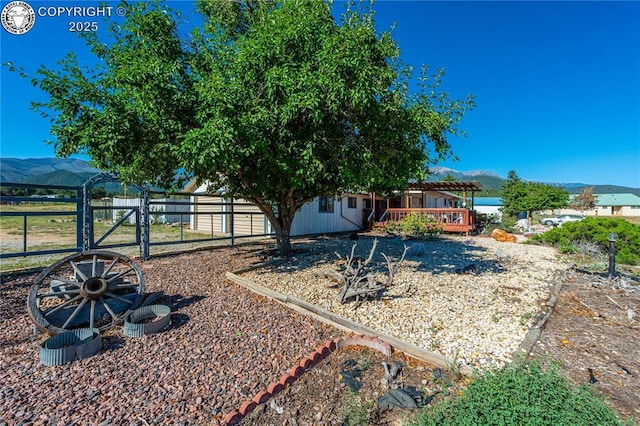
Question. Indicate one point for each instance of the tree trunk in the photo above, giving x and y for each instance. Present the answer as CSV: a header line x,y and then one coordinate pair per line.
x,y
281,225
283,238
283,220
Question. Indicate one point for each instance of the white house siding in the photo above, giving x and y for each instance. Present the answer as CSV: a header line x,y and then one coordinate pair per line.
x,y
489,210
207,216
213,215
488,205
159,210
310,220
123,203
248,219
433,199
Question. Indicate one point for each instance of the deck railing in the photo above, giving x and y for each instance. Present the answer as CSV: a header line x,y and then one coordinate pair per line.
x,y
451,219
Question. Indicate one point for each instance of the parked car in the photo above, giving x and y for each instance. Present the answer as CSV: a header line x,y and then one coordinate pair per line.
x,y
560,219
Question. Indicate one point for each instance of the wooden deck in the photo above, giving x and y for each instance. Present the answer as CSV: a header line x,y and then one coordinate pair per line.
x,y
452,219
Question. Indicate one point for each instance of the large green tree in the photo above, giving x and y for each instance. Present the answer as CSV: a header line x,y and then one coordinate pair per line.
x,y
520,196
277,102
513,194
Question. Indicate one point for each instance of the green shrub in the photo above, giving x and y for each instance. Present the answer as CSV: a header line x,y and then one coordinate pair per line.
x,y
415,224
596,230
568,249
527,395
508,223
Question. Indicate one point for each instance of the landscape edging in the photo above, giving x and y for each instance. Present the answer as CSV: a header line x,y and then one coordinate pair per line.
x,y
338,321
315,357
531,338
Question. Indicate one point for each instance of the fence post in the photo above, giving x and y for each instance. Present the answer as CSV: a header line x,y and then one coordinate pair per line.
x,y
24,233
85,224
144,218
79,218
231,222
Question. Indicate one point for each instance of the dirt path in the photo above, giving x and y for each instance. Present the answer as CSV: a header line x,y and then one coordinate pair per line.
x,y
596,326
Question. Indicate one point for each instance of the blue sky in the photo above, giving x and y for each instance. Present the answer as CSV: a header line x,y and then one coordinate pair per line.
x,y
557,84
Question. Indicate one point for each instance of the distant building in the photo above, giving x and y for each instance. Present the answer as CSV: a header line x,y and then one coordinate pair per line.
x,y
489,206
611,205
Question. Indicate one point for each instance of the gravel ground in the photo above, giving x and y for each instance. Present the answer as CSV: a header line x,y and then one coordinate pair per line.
x,y
225,343
223,346
479,318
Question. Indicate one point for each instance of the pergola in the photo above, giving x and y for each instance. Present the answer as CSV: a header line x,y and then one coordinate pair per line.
x,y
449,186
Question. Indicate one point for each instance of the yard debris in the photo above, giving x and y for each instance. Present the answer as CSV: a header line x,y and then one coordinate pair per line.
x,y
357,279
278,409
391,371
437,374
351,378
623,368
630,314
407,398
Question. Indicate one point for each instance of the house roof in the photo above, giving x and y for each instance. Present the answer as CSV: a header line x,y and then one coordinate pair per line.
x,y
446,186
617,200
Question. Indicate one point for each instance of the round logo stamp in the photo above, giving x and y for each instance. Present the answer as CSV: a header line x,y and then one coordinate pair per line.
x,y
18,17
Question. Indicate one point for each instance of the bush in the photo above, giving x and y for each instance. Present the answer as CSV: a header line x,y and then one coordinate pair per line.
x,y
415,224
596,230
526,395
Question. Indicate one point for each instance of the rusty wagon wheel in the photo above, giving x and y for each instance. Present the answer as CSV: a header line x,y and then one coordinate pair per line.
x,y
95,289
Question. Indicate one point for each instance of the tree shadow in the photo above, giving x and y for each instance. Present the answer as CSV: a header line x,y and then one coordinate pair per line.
x,y
112,342
434,255
177,320
178,301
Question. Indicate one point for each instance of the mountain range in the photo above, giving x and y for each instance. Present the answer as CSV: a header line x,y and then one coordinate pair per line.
x,y
74,172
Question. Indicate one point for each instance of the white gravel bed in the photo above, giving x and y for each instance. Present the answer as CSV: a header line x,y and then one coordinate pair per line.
x,y
479,319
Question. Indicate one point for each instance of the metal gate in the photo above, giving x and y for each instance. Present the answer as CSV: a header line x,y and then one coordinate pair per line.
x,y
238,218
136,215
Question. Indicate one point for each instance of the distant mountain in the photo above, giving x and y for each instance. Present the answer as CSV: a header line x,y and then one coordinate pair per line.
x,y
488,180
74,172
445,171
60,177
604,189
22,170
491,182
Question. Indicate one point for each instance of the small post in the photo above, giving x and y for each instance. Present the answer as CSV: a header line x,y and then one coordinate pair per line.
x,y
612,253
80,233
24,233
231,222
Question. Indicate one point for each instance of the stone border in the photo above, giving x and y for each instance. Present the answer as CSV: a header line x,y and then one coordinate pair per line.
x,y
531,338
349,326
321,353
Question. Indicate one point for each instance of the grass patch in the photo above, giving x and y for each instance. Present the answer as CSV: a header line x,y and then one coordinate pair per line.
x,y
522,396
357,412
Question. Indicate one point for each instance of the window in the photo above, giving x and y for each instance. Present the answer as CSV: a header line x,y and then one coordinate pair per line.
x,y
326,204
367,203
352,202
